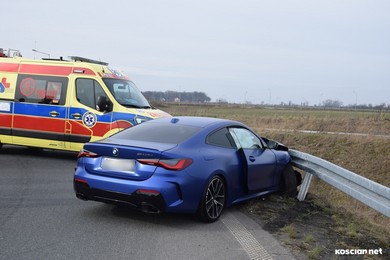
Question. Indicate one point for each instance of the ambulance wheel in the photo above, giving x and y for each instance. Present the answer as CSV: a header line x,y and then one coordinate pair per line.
x,y
1,145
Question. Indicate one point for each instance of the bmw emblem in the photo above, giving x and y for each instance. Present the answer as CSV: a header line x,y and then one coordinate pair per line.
x,y
115,152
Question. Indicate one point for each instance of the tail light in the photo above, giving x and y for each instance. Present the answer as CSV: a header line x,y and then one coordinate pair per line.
x,y
169,164
86,153
147,192
80,180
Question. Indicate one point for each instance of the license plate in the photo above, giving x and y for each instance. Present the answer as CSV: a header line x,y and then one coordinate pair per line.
x,y
114,164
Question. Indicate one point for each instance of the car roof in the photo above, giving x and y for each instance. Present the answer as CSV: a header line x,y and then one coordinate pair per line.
x,y
195,121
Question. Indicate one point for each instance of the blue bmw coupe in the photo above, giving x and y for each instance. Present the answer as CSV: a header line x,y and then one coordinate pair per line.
x,y
184,164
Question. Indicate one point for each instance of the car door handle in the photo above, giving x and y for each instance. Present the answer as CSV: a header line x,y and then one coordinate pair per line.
x,y
54,113
76,115
252,158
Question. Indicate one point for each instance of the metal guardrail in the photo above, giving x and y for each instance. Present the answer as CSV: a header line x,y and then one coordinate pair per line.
x,y
372,194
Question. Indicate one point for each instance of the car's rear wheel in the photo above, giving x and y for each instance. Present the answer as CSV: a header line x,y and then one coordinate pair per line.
x,y
213,200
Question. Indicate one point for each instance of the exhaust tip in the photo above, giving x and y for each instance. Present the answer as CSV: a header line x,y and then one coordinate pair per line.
x,y
81,196
149,208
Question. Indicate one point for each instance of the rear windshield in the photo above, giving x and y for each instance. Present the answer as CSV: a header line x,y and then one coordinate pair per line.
x,y
160,133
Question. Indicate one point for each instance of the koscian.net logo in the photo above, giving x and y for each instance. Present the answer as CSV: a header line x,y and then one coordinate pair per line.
x,y
378,251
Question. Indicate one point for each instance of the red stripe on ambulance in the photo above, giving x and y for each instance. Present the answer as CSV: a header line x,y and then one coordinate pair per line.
x,y
9,67
39,123
42,69
5,120
99,129
53,70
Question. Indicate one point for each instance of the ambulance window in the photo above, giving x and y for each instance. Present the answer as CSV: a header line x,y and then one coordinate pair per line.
x,y
88,91
41,89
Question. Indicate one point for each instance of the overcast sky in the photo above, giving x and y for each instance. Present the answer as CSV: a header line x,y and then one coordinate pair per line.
x,y
245,50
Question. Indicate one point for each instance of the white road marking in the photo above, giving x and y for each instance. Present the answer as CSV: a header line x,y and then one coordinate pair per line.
x,y
248,242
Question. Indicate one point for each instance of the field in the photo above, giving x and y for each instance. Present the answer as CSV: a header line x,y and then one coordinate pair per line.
x,y
356,140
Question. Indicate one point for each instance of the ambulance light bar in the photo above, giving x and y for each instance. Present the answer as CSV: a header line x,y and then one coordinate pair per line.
x,y
77,58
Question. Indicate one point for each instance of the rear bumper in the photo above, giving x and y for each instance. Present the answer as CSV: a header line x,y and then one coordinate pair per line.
x,y
164,191
147,202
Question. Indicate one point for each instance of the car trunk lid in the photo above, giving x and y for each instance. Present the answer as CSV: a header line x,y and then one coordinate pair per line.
x,y
121,160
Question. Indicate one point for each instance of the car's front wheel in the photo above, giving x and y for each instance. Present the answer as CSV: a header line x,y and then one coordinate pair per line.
x,y
290,181
213,200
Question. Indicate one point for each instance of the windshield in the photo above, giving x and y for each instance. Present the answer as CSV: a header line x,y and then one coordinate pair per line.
x,y
126,93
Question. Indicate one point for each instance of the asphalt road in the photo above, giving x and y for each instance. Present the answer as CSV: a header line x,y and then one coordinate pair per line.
x,y
40,218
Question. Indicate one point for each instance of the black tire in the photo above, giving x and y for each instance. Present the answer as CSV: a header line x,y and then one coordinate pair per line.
x,y
289,182
213,200
299,177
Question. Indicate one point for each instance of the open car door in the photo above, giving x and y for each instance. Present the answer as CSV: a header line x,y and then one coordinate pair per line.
x,y
259,162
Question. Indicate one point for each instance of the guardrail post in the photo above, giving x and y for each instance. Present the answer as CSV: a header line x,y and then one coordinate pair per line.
x,y
304,186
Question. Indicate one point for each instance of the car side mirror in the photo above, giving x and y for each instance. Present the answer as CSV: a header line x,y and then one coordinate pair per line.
x,y
272,144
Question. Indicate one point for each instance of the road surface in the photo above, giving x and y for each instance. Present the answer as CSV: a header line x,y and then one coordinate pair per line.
x,y
40,218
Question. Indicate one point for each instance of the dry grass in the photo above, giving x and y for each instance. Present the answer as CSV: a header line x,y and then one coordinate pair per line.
x,y
369,122
368,156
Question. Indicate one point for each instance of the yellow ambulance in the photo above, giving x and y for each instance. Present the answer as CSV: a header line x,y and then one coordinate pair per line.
x,y
62,104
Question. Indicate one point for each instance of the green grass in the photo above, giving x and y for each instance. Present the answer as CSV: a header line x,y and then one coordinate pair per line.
x,y
315,253
308,239
352,230
290,230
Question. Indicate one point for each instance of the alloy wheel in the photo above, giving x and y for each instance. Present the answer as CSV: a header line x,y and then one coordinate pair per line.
x,y
215,198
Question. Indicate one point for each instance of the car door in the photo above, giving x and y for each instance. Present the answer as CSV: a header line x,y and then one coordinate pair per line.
x,y
87,121
39,111
260,162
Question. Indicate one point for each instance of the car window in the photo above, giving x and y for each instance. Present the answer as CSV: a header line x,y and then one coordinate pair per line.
x,y
221,138
41,89
245,139
88,91
160,133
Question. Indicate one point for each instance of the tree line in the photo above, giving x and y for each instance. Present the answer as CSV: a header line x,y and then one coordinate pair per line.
x,y
336,104
176,96
201,97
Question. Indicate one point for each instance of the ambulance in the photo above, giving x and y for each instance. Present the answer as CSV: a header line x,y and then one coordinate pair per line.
x,y
62,104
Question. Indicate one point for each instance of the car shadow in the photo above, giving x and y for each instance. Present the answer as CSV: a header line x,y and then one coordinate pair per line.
x,y
181,220
38,152
175,220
